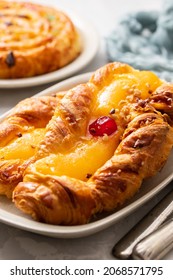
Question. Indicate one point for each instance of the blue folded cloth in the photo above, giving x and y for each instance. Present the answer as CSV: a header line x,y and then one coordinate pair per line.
x,y
145,41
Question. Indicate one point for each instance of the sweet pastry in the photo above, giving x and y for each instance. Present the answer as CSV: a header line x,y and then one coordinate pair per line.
x,y
20,135
99,146
35,39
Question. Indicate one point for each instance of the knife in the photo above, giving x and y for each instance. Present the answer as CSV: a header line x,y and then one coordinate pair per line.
x,y
124,248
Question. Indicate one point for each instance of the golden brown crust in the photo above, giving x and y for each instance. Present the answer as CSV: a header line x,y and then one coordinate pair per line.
x,y
162,99
35,40
34,112
64,200
70,119
56,200
11,173
28,115
135,159
106,75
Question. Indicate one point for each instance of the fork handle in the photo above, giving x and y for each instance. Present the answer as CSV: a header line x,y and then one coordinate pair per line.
x,y
156,245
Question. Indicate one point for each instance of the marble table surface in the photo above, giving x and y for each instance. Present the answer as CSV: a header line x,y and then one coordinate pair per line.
x,y
17,244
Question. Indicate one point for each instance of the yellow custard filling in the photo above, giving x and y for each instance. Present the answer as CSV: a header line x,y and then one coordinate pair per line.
x,y
81,162
88,153
143,82
24,146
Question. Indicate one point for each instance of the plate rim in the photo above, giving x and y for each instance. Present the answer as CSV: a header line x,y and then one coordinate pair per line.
x,y
88,33
59,231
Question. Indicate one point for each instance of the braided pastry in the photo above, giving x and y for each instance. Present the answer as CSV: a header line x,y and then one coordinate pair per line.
x,y
35,39
20,134
99,146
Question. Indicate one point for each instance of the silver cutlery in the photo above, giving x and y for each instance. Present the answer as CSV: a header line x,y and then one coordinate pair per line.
x,y
124,248
156,244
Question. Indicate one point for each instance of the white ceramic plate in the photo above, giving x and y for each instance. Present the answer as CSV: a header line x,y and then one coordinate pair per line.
x,y
90,42
12,216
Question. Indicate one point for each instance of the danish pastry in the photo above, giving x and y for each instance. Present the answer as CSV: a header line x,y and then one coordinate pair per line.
x,y
20,134
35,39
99,146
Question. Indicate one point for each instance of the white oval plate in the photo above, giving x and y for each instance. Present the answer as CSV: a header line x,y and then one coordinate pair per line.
x,y
12,216
90,43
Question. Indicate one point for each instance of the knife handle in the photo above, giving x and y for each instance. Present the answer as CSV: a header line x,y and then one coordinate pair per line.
x,y
124,248
155,245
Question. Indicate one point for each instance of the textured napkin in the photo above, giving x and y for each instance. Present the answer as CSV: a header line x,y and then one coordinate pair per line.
x,y
144,40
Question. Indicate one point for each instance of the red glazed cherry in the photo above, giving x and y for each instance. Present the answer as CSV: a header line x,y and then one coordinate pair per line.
x,y
103,125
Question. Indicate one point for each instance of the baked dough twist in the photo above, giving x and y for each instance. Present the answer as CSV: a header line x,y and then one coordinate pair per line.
x,y
35,39
20,134
117,163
